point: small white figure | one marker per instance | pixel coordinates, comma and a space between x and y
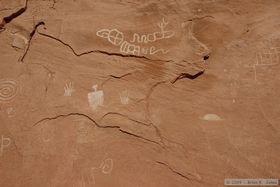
68, 89
107, 166
95, 98
5, 142
11, 112
124, 96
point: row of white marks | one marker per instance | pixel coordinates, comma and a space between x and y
116, 37
96, 97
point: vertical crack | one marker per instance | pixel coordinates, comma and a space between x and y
30, 38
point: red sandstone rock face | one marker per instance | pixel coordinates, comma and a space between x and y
138, 93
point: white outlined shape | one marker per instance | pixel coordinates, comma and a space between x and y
268, 58
114, 36
129, 48
95, 98
107, 166
3, 145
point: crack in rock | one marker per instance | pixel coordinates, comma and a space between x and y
98, 51
116, 77
95, 123
186, 75
200, 17
14, 15
30, 38
189, 178
125, 116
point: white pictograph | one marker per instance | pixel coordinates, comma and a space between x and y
5, 142
105, 167
68, 89
124, 97
116, 37
268, 57
11, 112
159, 35
153, 50
129, 48
8, 90
95, 98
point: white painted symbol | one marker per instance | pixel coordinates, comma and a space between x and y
154, 36
129, 48
11, 112
153, 50
212, 117
124, 96
107, 166
8, 90
5, 142
268, 57
95, 98
116, 37
68, 89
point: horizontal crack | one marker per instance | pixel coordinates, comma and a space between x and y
187, 75
73, 114
119, 77
200, 17
125, 116
98, 51
116, 77
95, 123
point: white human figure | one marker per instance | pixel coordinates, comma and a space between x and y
5, 142
95, 98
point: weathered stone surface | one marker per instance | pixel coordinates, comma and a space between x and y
138, 93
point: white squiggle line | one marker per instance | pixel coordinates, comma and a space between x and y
152, 37
153, 50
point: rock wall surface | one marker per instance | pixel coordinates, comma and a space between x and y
129, 93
